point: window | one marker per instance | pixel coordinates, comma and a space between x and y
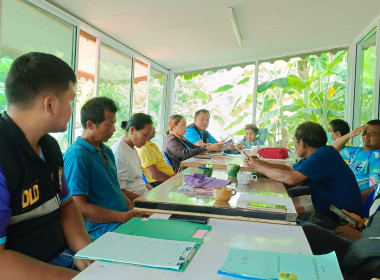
86, 76
140, 87
301, 89
114, 78
157, 81
227, 94
26, 29
365, 81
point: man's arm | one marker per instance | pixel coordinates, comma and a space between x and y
74, 230
97, 214
269, 164
130, 195
157, 174
285, 175
14, 265
129, 202
200, 143
341, 141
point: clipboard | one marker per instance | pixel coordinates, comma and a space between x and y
165, 229
139, 250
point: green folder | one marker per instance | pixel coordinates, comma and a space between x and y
163, 229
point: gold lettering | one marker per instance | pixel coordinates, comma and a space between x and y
33, 194
25, 198
36, 192
30, 196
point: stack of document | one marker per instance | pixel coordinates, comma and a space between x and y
138, 250
264, 265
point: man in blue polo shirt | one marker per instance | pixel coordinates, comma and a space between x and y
363, 161
90, 170
322, 168
196, 132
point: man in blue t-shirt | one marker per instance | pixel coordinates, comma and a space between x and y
196, 132
363, 161
90, 170
322, 168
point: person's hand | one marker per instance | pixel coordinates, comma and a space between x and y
82, 264
359, 220
239, 146
126, 216
231, 146
253, 162
348, 231
357, 131
215, 147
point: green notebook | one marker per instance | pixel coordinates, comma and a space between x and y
163, 229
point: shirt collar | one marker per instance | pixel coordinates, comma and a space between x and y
89, 146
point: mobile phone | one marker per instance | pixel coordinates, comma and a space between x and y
339, 212
189, 218
227, 142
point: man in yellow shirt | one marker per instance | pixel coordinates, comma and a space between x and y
153, 164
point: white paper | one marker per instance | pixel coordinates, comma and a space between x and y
138, 250
161, 216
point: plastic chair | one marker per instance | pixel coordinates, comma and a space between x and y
144, 178
167, 159
373, 195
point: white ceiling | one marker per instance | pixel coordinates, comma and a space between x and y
187, 34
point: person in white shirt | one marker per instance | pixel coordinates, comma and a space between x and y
138, 130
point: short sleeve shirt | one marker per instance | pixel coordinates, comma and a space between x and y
149, 155
129, 172
193, 136
365, 165
331, 182
87, 174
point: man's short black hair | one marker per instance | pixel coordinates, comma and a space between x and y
93, 110
202, 111
311, 134
374, 122
33, 74
340, 125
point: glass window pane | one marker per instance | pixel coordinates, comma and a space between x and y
227, 94
86, 76
26, 29
140, 87
298, 90
367, 49
157, 81
114, 78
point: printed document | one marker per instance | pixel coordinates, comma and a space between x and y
138, 250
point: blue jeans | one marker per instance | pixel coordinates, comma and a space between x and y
65, 259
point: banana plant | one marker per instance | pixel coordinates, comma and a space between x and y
311, 89
5, 65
